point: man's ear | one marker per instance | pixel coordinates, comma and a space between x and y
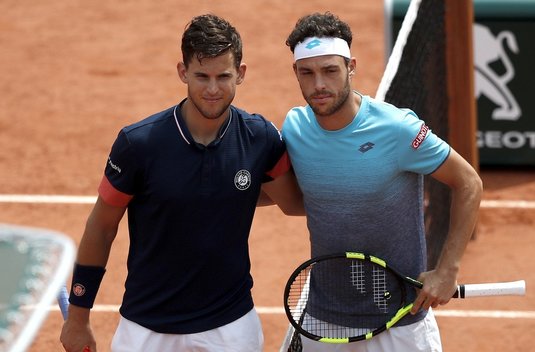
241, 73
182, 72
352, 66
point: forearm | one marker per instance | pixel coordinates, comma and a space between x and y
100, 232
93, 252
79, 315
90, 265
284, 191
440, 283
94, 248
463, 217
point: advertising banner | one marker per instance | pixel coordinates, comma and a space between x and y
504, 59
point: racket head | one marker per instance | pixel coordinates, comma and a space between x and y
344, 297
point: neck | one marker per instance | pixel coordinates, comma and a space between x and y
202, 129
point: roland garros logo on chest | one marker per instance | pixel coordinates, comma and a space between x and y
242, 180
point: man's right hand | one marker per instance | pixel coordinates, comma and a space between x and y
76, 334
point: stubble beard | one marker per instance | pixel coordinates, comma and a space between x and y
212, 114
340, 100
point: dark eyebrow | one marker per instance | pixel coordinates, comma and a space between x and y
225, 74
202, 74
323, 68
303, 69
329, 67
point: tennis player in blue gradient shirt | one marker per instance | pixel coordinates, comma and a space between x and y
360, 165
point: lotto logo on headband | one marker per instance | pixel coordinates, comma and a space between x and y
312, 44
312, 47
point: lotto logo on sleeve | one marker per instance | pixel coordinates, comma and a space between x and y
416, 142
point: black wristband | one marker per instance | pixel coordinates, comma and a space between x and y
85, 283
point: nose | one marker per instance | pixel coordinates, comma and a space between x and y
212, 86
319, 82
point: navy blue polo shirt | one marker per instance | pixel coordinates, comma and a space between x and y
190, 209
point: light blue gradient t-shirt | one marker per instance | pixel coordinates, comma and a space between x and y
363, 184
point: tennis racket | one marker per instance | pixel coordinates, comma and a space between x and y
349, 297
63, 302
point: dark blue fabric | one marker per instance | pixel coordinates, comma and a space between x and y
189, 222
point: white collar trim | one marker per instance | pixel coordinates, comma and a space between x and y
184, 136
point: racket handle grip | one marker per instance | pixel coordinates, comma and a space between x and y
63, 302
514, 288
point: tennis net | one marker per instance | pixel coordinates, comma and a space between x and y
416, 77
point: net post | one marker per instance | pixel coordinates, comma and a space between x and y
462, 108
431, 71
460, 77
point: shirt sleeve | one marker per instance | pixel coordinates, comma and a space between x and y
111, 195
121, 174
278, 161
420, 150
282, 166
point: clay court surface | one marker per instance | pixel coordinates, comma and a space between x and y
75, 72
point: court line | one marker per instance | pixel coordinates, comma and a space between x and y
64, 199
46, 199
490, 314
496, 314
522, 204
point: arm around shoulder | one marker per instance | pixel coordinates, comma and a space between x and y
285, 192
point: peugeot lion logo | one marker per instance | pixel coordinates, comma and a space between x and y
489, 49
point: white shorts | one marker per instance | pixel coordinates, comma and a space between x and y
242, 335
422, 336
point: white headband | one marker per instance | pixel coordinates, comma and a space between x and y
313, 46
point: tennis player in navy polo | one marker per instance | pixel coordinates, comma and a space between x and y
190, 177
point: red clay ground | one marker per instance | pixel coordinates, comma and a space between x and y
73, 73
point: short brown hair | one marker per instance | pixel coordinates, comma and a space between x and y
208, 36
319, 25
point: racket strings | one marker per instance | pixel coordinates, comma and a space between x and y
358, 280
298, 296
330, 330
380, 292
341, 298
357, 276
